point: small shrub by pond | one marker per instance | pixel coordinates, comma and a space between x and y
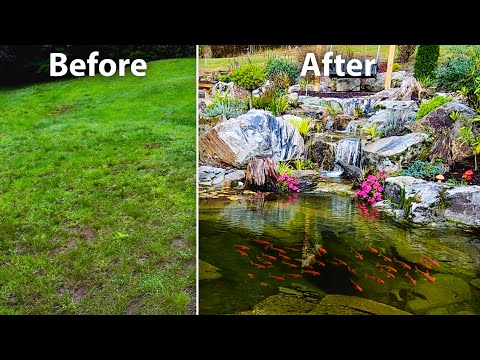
283, 72
432, 104
226, 106
422, 170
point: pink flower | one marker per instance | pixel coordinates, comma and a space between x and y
290, 186
367, 188
379, 197
371, 201
380, 189
364, 183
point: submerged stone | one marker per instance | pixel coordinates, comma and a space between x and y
207, 271
355, 303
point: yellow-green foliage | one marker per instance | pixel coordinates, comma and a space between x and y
284, 168
302, 125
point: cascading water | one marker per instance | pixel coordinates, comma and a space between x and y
352, 127
348, 150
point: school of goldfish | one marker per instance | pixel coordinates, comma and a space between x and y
273, 258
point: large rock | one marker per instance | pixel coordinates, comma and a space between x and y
308, 179
378, 84
446, 132
344, 106
322, 150
348, 84
392, 153
343, 304
445, 291
433, 204
208, 175
463, 205
207, 271
256, 133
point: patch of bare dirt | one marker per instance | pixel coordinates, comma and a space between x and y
62, 109
89, 235
192, 305
179, 243
133, 307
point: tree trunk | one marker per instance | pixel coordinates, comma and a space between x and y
262, 174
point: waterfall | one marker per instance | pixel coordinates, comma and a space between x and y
348, 151
352, 126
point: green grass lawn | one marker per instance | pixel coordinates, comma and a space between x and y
97, 194
260, 58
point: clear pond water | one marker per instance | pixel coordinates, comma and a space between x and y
336, 224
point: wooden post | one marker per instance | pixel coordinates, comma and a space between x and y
388, 77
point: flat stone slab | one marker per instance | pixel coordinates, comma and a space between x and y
358, 304
207, 271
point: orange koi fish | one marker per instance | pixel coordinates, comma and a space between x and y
250, 275
375, 251
412, 280
384, 257
321, 263
357, 254
269, 257
321, 251
426, 266
242, 253
284, 257
426, 274
309, 267
292, 249
294, 275
333, 262
258, 265
356, 286
267, 263
375, 279
311, 272
433, 262
387, 267
276, 277
265, 242
289, 264
243, 247
406, 266
388, 274
352, 271
279, 250
340, 261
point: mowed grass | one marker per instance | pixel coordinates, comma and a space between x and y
97, 194
261, 57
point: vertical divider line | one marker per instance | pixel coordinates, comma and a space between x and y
197, 250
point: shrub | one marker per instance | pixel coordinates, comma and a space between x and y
287, 183
396, 67
227, 106
371, 188
226, 78
302, 126
249, 77
283, 72
279, 105
430, 105
284, 168
422, 170
405, 52
426, 61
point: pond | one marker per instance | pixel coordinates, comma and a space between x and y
356, 252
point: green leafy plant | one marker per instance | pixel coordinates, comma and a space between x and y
422, 170
298, 164
283, 72
396, 67
249, 77
331, 110
426, 61
456, 182
284, 168
468, 134
358, 112
224, 78
370, 130
279, 105
455, 115
226, 106
426, 81
310, 165
302, 125
432, 104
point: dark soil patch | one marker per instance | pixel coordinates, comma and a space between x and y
179, 243
335, 94
133, 307
89, 235
62, 109
458, 169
